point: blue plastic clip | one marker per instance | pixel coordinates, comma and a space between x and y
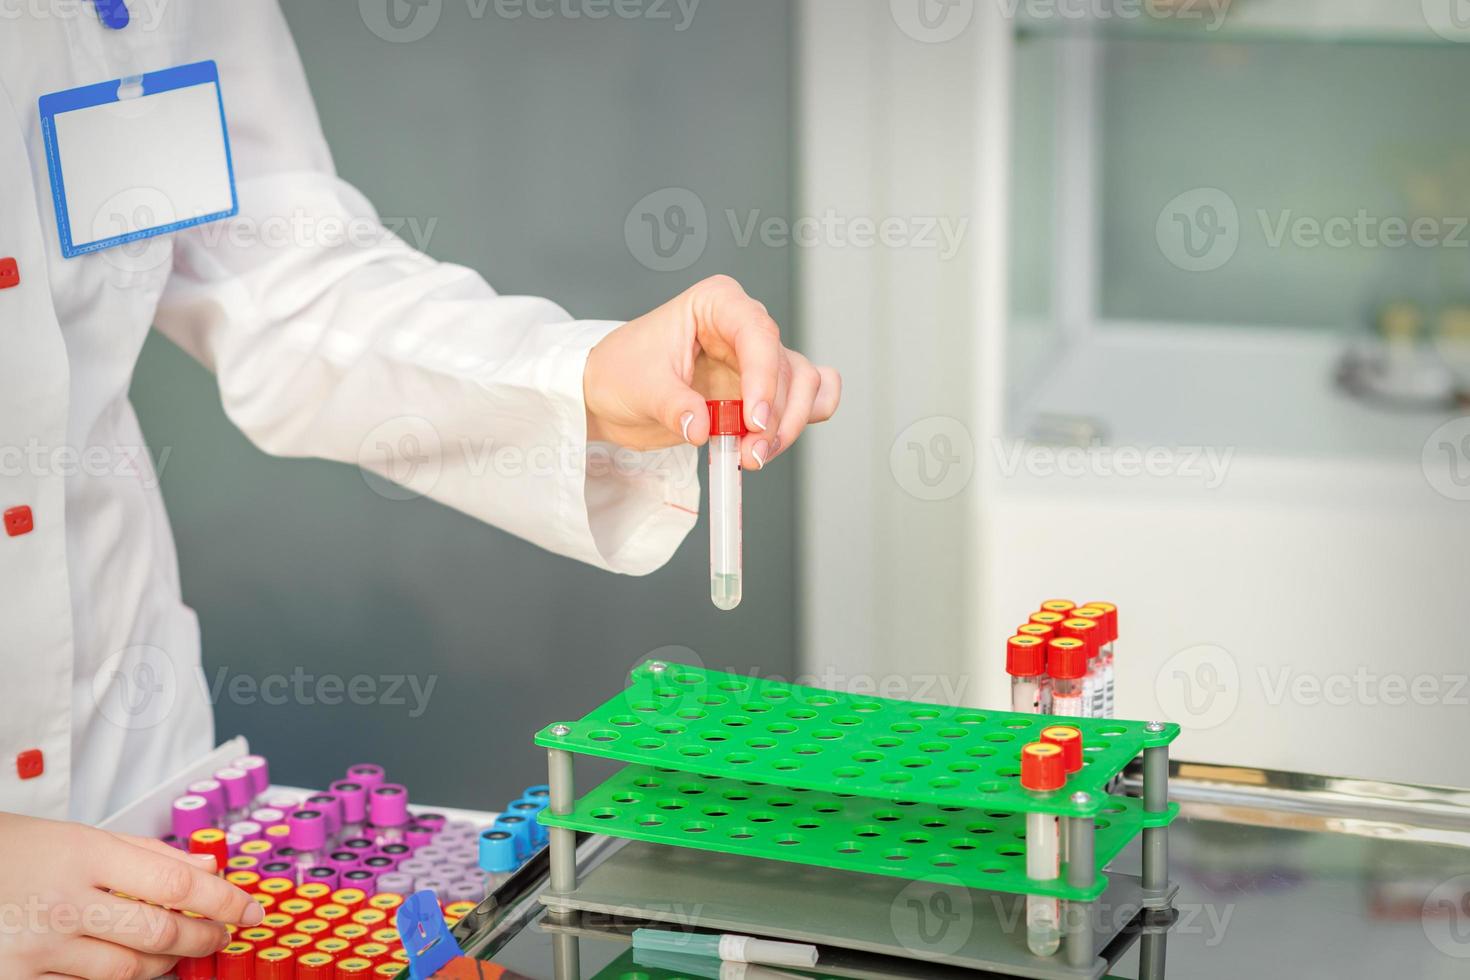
425, 935
113, 13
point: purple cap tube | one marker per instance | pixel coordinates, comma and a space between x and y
211, 790
354, 800
285, 802
257, 770
362, 878
321, 873
190, 813
268, 815
368, 774
237, 788
330, 806
308, 830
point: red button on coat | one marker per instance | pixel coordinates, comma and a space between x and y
18, 521
30, 764
9, 273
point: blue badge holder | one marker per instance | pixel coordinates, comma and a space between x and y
223, 201
425, 935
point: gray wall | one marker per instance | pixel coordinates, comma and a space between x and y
529, 141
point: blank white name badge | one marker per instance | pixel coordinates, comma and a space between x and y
138, 157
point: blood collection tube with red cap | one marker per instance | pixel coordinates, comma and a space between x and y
1026, 663
1066, 663
1043, 770
1108, 622
1087, 631
726, 426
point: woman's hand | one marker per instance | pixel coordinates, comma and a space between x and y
646, 383
58, 918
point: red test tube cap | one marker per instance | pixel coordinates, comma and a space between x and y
1069, 740
235, 962
1085, 630
211, 841
1042, 767
727, 418
1066, 658
1025, 656
275, 963
1062, 606
1109, 621
1052, 619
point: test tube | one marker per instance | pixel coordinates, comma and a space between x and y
387, 813
367, 774
726, 427
1087, 631
497, 858
1026, 663
1109, 624
1066, 663
308, 839
354, 806
238, 796
258, 771
190, 813
1042, 771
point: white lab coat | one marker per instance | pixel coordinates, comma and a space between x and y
321, 349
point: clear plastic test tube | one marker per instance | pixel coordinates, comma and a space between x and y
1066, 662
1042, 771
1026, 663
726, 427
1093, 690
1109, 625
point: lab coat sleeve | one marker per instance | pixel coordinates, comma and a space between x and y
333, 338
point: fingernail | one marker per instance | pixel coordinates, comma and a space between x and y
761, 417
759, 452
254, 914
684, 421
205, 859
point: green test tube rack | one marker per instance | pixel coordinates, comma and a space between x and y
762, 768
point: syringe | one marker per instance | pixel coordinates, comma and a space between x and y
726, 427
1042, 771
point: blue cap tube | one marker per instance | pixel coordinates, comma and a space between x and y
519, 828
531, 809
498, 851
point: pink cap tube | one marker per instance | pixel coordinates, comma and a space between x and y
212, 791
344, 860
417, 835
322, 873
247, 830
257, 769
396, 852
308, 830
330, 806
388, 806
434, 821
354, 799
368, 774
190, 813
237, 787
358, 878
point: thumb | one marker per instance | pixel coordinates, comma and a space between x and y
683, 412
